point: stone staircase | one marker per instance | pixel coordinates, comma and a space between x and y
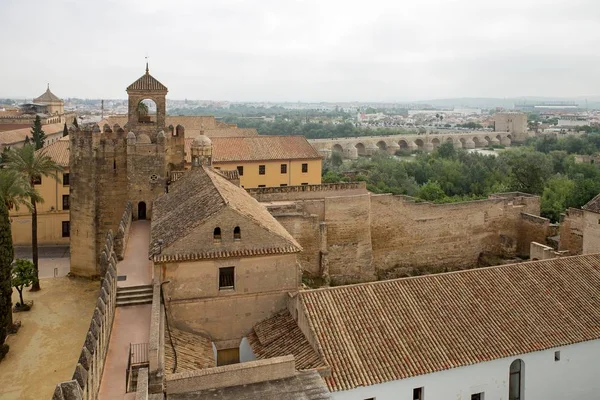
134, 295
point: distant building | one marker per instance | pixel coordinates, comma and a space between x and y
15, 125
572, 121
513, 122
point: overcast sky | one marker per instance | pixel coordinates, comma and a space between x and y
304, 50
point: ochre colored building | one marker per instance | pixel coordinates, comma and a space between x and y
266, 161
53, 213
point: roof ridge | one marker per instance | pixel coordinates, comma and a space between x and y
207, 171
462, 271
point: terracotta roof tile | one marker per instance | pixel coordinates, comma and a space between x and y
147, 82
194, 352
11, 137
58, 151
383, 331
593, 205
194, 125
280, 336
259, 148
47, 97
200, 194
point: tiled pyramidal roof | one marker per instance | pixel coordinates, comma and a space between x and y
47, 97
200, 194
384, 331
147, 82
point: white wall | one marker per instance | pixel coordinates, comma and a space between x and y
246, 353
575, 376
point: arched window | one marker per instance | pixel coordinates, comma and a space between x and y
237, 233
217, 233
515, 381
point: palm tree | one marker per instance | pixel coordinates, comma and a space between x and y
32, 165
14, 191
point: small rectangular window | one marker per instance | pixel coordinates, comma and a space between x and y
66, 179
262, 186
226, 278
284, 168
557, 356
261, 169
240, 169
304, 168
65, 202
283, 184
37, 180
418, 394
66, 229
477, 396
304, 184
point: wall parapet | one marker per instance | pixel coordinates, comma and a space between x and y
308, 188
232, 375
122, 235
88, 371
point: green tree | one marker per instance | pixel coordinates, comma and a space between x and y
446, 150
75, 122
24, 274
6, 257
431, 191
65, 130
37, 133
336, 159
528, 170
33, 165
556, 197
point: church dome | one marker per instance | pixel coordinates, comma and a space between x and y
143, 139
131, 135
47, 97
202, 141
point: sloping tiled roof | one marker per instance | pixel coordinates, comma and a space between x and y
47, 97
194, 351
58, 151
280, 336
260, 148
194, 125
383, 331
147, 82
18, 135
201, 193
593, 205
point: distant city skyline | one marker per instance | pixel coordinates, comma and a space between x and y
305, 51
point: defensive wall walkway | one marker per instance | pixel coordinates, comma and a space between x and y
132, 323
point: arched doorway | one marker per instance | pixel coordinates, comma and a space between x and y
141, 210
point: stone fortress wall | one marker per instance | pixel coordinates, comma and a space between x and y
350, 235
88, 371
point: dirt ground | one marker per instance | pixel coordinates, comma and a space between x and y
45, 350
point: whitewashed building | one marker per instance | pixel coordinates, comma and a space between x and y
525, 331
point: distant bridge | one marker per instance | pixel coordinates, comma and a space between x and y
352, 147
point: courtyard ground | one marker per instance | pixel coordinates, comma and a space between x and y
53, 260
46, 348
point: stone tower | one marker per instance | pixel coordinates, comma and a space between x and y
113, 165
98, 192
201, 151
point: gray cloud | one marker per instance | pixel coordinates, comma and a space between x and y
307, 50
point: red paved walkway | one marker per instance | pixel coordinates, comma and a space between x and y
136, 265
132, 323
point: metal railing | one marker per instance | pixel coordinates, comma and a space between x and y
138, 358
